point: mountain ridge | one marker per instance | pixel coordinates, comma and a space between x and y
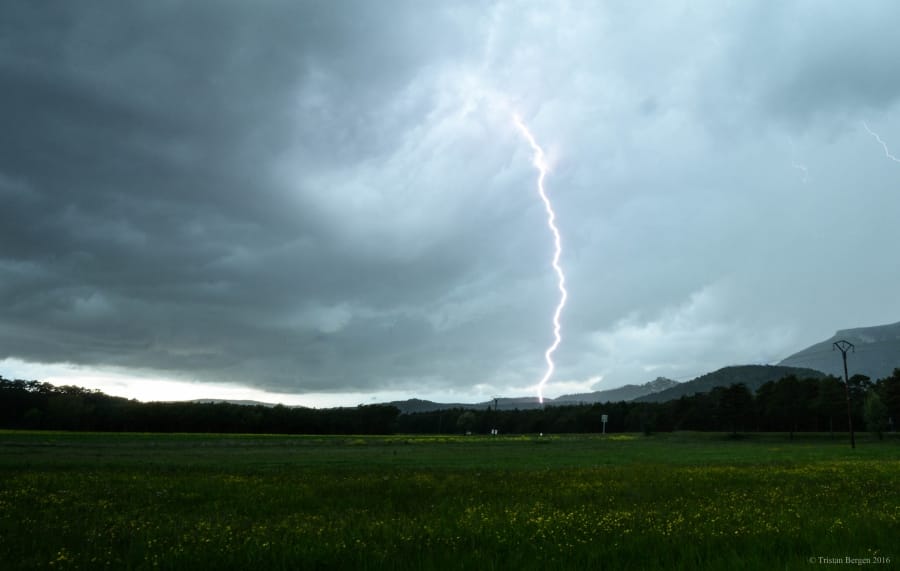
876, 354
623, 393
753, 376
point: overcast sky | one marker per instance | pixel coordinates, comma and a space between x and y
329, 202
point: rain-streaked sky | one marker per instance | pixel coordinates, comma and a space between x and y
329, 203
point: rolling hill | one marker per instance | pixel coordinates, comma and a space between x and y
623, 393
411, 406
754, 376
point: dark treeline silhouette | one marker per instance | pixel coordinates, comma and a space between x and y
789, 405
36, 405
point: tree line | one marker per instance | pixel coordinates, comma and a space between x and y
37, 405
790, 405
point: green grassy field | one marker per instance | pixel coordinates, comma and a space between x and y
670, 501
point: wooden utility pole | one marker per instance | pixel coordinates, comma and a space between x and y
843, 346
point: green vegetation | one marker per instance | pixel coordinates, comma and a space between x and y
626, 501
790, 404
37, 405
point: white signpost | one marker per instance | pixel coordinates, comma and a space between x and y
603, 419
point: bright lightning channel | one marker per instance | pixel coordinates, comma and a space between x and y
540, 163
887, 151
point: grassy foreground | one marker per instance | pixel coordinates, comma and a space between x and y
679, 501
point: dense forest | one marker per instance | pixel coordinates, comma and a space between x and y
790, 404
36, 405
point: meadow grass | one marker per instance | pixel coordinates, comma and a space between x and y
670, 501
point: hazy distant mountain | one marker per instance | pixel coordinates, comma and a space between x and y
227, 401
513, 403
754, 376
623, 393
241, 402
418, 405
877, 353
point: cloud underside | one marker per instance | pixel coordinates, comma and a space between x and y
333, 197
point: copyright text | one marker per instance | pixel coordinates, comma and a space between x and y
847, 560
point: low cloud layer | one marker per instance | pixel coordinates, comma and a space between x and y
332, 197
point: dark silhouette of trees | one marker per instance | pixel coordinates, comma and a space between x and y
34, 405
831, 401
875, 413
466, 421
734, 406
889, 391
789, 405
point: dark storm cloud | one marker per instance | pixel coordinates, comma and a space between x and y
329, 196
141, 226
825, 58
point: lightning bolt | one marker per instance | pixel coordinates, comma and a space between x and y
887, 151
540, 163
